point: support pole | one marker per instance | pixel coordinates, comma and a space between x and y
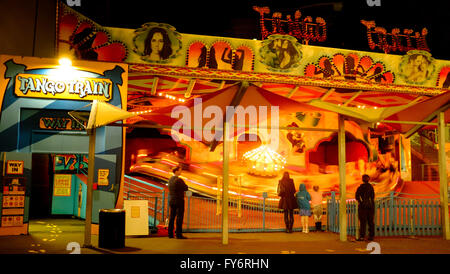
90, 183
226, 156
443, 177
342, 185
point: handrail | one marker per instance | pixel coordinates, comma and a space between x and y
143, 182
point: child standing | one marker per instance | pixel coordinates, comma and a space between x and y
316, 204
303, 199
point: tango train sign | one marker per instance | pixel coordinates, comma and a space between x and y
40, 86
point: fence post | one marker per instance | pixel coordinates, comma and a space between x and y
239, 205
333, 212
330, 213
357, 221
156, 211
128, 190
219, 196
391, 214
168, 208
264, 211
189, 195
163, 205
412, 225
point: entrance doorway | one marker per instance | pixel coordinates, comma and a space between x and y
67, 197
41, 186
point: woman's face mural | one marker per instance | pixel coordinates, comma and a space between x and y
157, 42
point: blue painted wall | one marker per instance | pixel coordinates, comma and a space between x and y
20, 132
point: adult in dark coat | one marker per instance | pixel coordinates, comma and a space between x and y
365, 196
286, 190
177, 187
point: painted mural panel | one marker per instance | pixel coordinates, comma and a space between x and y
80, 37
83, 39
280, 53
156, 43
36, 95
351, 67
417, 67
443, 80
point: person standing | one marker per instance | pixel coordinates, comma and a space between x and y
286, 190
303, 198
365, 196
316, 204
177, 187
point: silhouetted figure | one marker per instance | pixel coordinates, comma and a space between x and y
239, 59
212, 59
377, 76
82, 44
327, 71
349, 70
177, 187
286, 190
447, 81
202, 58
365, 196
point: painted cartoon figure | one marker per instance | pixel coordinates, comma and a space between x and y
297, 139
283, 53
82, 44
327, 70
447, 81
280, 52
417, 66
417, 69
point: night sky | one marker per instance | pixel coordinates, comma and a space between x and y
237, 19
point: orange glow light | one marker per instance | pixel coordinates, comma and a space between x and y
264, 161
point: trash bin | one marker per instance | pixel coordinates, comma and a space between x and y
111, 232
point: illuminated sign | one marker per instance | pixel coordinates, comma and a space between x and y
14, 167
103, 177
53, 123
83, 88
62, 185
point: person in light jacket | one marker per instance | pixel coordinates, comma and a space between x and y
316, 204
303, 199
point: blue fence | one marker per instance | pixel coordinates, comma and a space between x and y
136, 189
395, 215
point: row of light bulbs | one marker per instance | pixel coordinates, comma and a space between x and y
171, 97
160, 94
142, 112
361, 107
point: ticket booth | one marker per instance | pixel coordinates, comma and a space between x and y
44, 150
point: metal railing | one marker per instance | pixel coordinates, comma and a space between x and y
430, 172
136, 189
394, 215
